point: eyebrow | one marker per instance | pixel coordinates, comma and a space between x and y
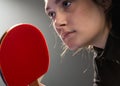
56, 2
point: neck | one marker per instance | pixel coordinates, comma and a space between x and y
101, 39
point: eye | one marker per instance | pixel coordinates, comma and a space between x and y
51, 14
66, 3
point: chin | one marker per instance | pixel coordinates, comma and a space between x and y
73, 48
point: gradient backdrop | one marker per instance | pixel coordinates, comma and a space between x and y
67, 71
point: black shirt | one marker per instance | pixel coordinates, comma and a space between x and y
107, 63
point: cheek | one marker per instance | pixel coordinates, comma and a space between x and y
89, 21
88, 27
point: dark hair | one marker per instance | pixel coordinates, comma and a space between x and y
112, 14
116, 17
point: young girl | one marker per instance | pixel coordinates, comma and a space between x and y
84, 23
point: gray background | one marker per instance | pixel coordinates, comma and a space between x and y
67, 71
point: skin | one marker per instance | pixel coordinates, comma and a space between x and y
37, 82
78, 23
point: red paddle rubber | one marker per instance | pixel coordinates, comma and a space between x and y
24, 55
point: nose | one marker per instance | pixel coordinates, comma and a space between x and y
60, 23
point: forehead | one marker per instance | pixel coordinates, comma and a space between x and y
51, 3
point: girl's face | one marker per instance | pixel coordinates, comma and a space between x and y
78, 22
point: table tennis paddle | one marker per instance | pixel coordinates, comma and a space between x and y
24, 55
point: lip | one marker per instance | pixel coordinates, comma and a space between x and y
67, 34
